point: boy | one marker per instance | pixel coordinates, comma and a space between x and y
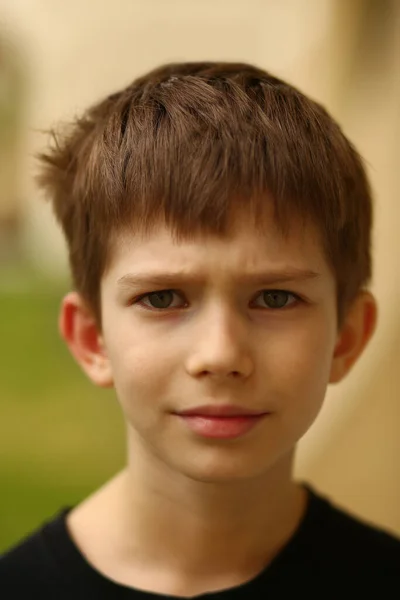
230, 194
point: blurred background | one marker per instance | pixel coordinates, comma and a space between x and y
60, 437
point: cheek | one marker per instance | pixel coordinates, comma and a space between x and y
299, 365
141, 368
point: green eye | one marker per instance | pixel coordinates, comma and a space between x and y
277, 298
160, 299
164, 300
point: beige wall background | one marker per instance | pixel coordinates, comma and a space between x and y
344, 53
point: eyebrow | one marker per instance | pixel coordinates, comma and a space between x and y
290, 274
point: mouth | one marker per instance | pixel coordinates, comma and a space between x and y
225, 427
223, 410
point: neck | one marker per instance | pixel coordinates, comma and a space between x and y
209, 527
160, 531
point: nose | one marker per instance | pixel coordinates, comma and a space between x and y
221, 346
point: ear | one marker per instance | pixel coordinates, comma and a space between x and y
79, 329
357, 330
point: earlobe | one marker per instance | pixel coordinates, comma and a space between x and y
354, 336
79, 329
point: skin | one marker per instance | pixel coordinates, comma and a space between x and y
189, 515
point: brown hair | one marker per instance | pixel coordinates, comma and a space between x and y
188, 142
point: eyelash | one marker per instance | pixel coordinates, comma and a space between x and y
138, 299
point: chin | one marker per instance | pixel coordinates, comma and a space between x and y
233, 469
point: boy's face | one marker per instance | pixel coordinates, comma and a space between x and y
216, 338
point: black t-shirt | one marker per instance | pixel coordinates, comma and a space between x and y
332, 554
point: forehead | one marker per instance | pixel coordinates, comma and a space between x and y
243, 247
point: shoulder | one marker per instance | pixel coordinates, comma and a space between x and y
354, 545
31, 566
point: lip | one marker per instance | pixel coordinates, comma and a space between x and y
223, 410
227, 427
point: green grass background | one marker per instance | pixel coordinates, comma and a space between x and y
60, 436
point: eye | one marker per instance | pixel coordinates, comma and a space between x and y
276, 299
157, 300
163, 299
